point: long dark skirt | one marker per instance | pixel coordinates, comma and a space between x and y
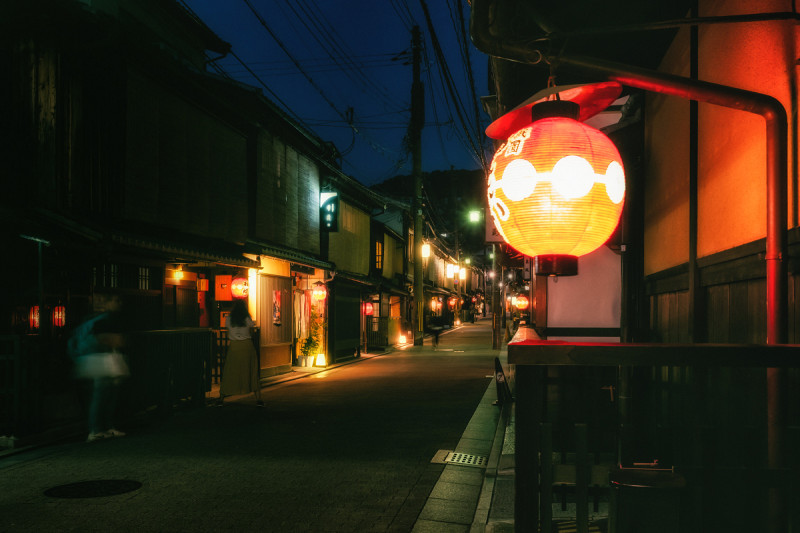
240, 374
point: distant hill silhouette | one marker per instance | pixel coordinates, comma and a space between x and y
446, 190
446, 195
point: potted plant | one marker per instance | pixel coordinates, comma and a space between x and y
310, 347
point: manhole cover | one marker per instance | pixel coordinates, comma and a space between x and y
93, 489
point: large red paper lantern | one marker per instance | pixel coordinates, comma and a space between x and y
367, 308
557, 186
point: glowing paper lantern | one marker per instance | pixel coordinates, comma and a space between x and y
452, 302
320, 292
33, 317
556, 187
368, 309
521, 302
59, 316
240, 287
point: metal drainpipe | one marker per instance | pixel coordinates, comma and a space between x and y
768, 107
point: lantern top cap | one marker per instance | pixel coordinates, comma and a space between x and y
555, 108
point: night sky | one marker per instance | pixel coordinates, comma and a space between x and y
354, 60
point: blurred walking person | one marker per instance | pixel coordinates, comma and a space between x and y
240, 375
96, 346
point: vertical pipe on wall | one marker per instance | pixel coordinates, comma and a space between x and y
695, 325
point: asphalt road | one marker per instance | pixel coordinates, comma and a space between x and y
345, 450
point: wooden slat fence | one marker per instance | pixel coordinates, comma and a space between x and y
690, 422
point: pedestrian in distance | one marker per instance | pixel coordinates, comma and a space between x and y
96, 348
436, 330
240, 375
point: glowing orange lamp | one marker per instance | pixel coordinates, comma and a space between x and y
59, 316
319, 292
521, 302
33, 317
240, 287
556, 188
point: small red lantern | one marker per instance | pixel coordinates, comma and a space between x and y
521, 302
33, 317
240, 287
452, 302
557, 186
368, 309
59, 316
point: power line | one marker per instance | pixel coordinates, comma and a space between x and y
310, 80
447, 77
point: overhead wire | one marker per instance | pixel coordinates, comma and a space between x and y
476, 108
404, 13
456, 102
380, 149
435, 108
329, 39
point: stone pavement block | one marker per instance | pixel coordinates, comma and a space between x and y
451, 511
466, 475
430, 526
475, 446
499, 527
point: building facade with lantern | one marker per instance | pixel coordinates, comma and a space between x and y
699, 269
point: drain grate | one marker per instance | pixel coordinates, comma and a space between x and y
457, 458
465, 459
93, 489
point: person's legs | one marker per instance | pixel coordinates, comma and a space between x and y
95, 407
101, 406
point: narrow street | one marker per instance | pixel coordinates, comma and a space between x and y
343, 450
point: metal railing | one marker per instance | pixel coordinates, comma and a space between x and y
167, 366
668, 437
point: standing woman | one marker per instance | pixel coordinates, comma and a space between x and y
240, 374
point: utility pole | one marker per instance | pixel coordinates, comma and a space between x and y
496, 334
415, 140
